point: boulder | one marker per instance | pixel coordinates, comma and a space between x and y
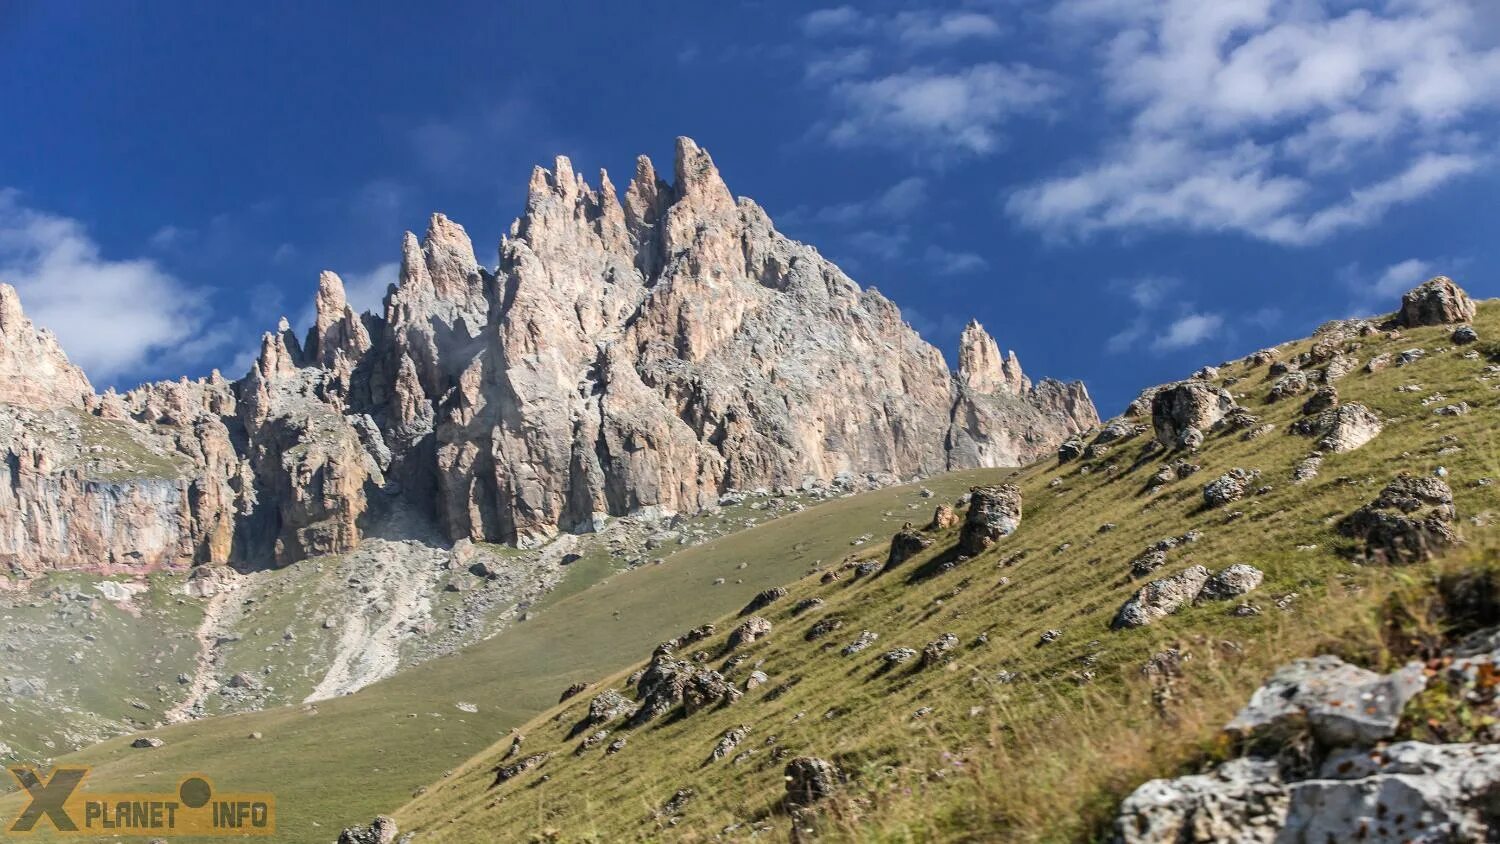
382, 830
904, 545
1347, 427
607, 706
1338, 703
943, 518
1437, 301
1323, 398
1230, 486
706, 688
898, 656
1188, 404
1243, 801
750, 630
864, 640
1409, 521
1231, 582
1291, 384
1071, 449
810, 780
728, 742
1161, 598
147, 742
1464, 335
506, 773
764, 599
936, 651
994, 512
573, 691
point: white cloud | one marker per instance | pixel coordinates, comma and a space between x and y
1401, 277
1188, 330
928, 28
950, 262
894, 203
114, 318
1150, 295
366, 291
837, 20
1287, 120
945, 113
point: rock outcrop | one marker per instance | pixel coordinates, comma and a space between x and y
994, 513
1437, 301
636, 352
1188, 406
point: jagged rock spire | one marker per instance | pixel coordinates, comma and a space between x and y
336, 328
983, 369
34, 371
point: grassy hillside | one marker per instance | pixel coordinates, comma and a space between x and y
1013, 739
343, 760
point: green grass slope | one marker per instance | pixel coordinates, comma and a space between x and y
1013, 739
343, 760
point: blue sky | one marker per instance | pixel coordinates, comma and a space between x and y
1121, 190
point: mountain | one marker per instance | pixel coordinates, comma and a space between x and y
1261, 606
642, 354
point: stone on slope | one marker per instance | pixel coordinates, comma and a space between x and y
1339, 703
1411, 520
1437, 301
1231, 582
764, 599
1243, 801
994, 513
904, 545
750, 630
1186, 405
810, 780
1161, 598
382, 830
1230, 486
1347, 427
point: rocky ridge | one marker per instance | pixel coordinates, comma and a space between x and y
639, 352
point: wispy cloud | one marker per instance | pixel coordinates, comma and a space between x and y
114, 317
1188, 330
891, 85
950, 262
1154, 324
1283, 120
896, 202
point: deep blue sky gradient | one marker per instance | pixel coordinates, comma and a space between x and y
244, 148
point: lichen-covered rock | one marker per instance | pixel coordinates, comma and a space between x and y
1071, 449
1243, 801
750, 630
1230, 486
864, 640
1411, 520
506, 773
1161, 598
1464, 335
1188, 405
898, 656
1231, 582
764, 599
1437, 301
810, 780
904, 545
936, 652
1291, 384
1347, 427
994, 513
728, 742
382, 830
607, 706
705, 688
1340, 704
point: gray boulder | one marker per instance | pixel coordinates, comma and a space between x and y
1437, 301
1230, 486
810, 780
1188, 405
1409, 521
1161, 598
994, 513
1339, 703
1231, 582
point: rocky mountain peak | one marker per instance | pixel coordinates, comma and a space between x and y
639, 355
983, 368
34, 371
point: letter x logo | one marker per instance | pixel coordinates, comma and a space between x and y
48, 799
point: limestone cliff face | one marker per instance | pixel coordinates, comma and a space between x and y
999, 417
629, 353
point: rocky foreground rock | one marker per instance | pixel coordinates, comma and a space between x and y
632, 352
1323, 768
